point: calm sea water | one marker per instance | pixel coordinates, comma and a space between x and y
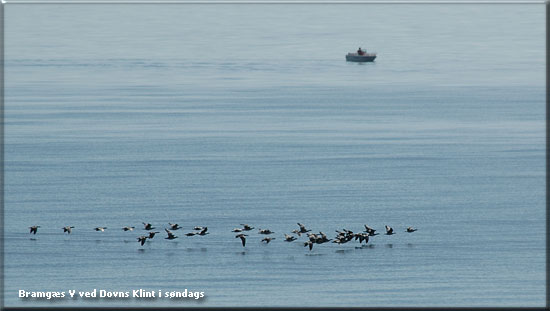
216, 115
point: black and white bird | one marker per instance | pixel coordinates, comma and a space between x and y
68, 229
242, 236
102, 229
303, 228
370, 230
247, 227
363, 236
237, 230
389, 230
142, 239
343, 236
322, 239
289, 238
148, 226
265, 231
128, 228
171, 236
411, 229
267, 239
203, 231
198, 228
308, 243
174, 226
190, 234
152, 234
34, 229
312, 237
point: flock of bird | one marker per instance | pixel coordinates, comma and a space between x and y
342, 237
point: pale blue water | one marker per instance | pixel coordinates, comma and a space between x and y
217, 115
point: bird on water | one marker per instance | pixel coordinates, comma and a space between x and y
152, 234
343, 236
142, 239
289, 238
174, 226
303, 228
362, 237
322, 239
265, 231
370, 230
242, 237
171, 236
148, 226
246, 227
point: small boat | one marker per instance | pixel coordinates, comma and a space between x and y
365, 57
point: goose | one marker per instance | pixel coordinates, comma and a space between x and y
174, 226
198, 228
237, 230
242, 237
246, 227
308, 243
267, 239
389, 230
289, 238
68, 229
265, 231
128, 228
370, 230
345, 233
152, 234
171, 236
34, 229
323, 238
102, 229
142, 239
312, 237
203, 231
297, 232
411, 229
148, 226
190, 234
343, 237
303, 228
362, 237
319, 239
